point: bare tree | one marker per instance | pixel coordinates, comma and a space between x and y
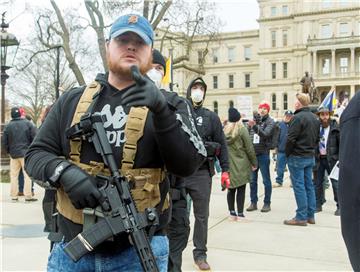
35, 76
65, 36
183, 22
186, 26
31, 90
97, 23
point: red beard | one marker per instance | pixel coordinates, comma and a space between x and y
121, 71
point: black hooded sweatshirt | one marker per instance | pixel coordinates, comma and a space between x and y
169, 141
209, 125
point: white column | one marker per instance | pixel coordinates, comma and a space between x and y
352, 90
352, 61
333, 60
314, 72
309, 63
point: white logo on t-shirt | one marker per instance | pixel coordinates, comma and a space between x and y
199, 121
115, 124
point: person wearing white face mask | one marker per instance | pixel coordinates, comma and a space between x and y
158, 70
198, 185
197, 94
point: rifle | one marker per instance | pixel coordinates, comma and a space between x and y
118, 210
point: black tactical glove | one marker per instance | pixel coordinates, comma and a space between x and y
79, 186
144, 93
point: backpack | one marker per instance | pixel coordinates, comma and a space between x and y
274, 140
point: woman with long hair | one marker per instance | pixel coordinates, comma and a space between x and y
242, 160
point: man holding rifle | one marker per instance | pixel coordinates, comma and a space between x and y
148, 130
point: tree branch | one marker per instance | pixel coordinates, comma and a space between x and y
146, 9
66, 45
161, 14
93, 7
34, 55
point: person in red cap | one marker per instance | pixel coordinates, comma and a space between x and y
261, 130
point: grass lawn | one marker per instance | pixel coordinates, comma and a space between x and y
5, 177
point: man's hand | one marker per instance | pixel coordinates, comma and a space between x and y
144, 93
225, 181
80, 187
251, 123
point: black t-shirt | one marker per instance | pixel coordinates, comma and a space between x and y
109, 105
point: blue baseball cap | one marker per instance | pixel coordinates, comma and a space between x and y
133, 23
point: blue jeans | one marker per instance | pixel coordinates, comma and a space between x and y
21, 182
264, 166
281, 164
301, 177
126, 260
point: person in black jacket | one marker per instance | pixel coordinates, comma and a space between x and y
198, 185
18, 135
261, 129
326, 155
349, 181
303, 138
167, 138
280, 150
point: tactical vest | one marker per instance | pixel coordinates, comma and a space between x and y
146, 190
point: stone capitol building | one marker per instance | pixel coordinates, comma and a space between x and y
243, 68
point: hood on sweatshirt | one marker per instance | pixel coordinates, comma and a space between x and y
188, 91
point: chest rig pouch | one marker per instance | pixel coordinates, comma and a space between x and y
144, 181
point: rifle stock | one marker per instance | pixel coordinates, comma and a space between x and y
120, 213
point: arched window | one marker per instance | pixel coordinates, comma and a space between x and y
231, 104
285, 100
216, 107
273, 101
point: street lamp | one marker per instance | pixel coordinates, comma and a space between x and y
9, 45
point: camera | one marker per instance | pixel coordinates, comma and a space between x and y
257, 117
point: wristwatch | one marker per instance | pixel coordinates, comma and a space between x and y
59, 169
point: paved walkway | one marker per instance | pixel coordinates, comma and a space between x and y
262, 244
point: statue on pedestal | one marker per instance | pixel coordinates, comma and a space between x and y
308, 87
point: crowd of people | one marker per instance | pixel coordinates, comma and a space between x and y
150, 131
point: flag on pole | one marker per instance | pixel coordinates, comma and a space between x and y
330, 100
168, 75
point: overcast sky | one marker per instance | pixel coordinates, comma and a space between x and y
239, 15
